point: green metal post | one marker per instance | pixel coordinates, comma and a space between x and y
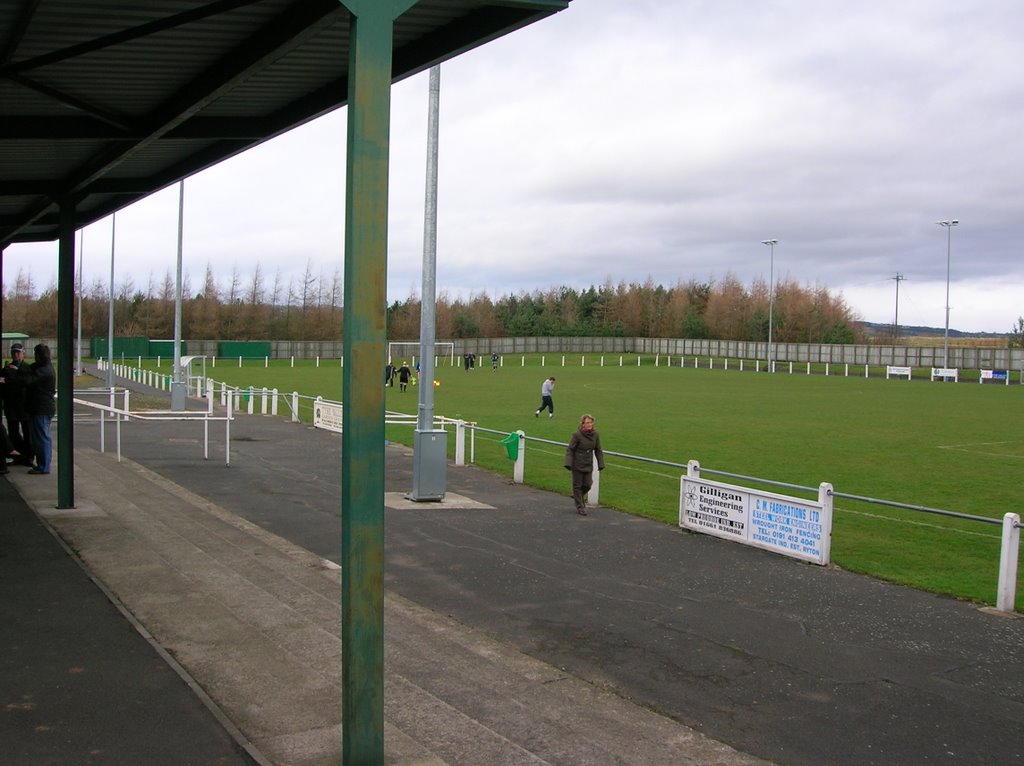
362, 462
65, 356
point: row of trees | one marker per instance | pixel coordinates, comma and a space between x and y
725, 310
309, 308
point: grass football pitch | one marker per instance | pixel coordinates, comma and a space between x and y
956, 447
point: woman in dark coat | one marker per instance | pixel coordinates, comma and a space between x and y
584, 446
42, 390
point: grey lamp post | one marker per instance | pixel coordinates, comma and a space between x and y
771, 298
949, 241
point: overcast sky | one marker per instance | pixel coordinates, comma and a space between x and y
622, 140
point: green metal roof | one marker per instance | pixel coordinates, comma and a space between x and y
107, 101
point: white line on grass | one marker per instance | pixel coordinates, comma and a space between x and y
919, 524
971, 448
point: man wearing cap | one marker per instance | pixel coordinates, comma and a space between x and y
14, 376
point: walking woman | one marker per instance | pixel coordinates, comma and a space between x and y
584, 447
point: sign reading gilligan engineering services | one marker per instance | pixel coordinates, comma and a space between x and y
787, 525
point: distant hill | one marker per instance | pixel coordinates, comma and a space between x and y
878, 330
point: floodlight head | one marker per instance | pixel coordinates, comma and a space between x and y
769, 241
951, 222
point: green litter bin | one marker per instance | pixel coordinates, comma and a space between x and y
511, 444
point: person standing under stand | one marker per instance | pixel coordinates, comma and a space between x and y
389, 375
42, 390
404, 373
547, 388
584, 447
13, 392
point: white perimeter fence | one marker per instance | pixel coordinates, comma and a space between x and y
327, 414
921, 357
1004, 376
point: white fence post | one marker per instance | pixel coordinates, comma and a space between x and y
460, 442
825, 498
295, 406
273, 402
227, 432
1008, 556
594, 495
519, 469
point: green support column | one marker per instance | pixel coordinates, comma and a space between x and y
362, 462
66, 356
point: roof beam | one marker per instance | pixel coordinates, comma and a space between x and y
125, 35
28, 12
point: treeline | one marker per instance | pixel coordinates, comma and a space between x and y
725, 310
305, 308
310, 309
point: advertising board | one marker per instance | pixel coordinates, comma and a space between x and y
327, 415
788, 525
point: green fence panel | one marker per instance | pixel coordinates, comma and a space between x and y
165, 348
128, 346
247, 349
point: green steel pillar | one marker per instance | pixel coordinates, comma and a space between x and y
65, 356
362, 456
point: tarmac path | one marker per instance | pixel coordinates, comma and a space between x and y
790, 662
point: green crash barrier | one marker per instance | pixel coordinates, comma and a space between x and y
511, 444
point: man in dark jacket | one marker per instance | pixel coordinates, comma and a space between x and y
13, 390
42, 390
584, 447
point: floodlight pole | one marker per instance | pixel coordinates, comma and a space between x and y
896, 319
78, 355
949, 224
771, 298
430, 446
177, 384
110, 309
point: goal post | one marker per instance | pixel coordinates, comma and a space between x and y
442, 348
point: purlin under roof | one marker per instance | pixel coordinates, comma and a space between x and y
107, 101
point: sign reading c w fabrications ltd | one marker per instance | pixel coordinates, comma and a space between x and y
791, 526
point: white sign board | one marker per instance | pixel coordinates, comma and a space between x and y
946, 372
1003, 375
793, 527
327, 415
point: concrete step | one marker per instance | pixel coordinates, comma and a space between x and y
255, 621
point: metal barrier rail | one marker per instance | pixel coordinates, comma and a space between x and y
1011, 524
1009, 554
124, 413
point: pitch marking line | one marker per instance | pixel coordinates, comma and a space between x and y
972, 448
